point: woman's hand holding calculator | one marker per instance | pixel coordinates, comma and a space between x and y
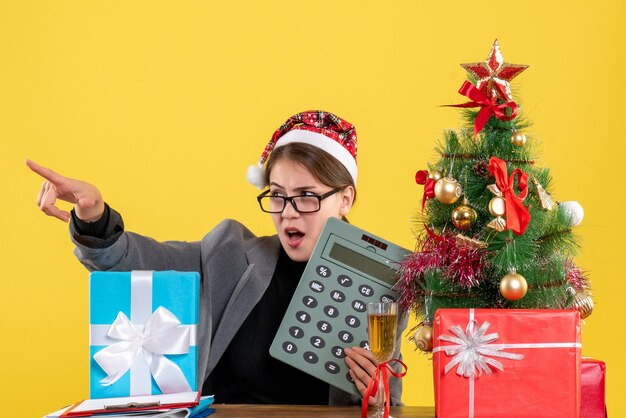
362, 367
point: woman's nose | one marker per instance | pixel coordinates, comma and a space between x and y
290, 210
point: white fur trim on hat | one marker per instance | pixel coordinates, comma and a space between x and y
323, 142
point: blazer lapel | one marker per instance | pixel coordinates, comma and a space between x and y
251, 286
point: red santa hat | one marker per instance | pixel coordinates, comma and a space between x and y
318, 128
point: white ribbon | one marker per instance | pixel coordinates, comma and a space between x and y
161, 335
473, 350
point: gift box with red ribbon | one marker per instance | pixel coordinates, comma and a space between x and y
592, 378
506, 363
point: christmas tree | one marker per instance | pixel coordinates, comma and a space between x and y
492, 236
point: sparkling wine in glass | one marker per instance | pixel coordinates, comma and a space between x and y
382, 322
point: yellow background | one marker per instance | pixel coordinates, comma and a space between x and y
164, 104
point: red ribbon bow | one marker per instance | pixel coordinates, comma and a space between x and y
488, 107
382, 371
517, 215
421, 177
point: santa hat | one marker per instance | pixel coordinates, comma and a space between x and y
318, 128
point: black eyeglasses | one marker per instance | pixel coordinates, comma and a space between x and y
306, 203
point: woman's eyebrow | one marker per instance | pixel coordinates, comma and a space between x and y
297, 189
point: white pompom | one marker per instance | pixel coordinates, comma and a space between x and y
255, 176
573, 210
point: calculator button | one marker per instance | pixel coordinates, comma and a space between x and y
310, 357
344, 280
365, 345
352, 321
290, 347
366, 290
316, 286
337, 296
331, 311
324, 326
346, 337
309, 301
332, 367
338, 352
303, 317
318, 342
322, 271
296, 332
387, 298
349, 377
358, 306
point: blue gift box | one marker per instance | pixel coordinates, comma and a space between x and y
143, 332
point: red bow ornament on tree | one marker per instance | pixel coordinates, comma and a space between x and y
517, 215
488, 106
421, 177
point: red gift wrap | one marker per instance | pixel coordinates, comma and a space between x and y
506, 363
592, 378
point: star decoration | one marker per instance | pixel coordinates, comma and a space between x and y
494, 74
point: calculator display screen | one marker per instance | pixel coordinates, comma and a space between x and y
362, 263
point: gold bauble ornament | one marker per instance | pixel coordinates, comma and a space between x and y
518, 139
583, 303
448, 190
464, 217
497, 206
435, 175
513, 286
424, 338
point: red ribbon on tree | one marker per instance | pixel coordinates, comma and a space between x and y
421, 177
382, 372
488, 107
517, 215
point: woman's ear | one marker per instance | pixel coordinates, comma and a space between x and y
347, 199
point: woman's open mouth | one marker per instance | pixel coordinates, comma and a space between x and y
294, 237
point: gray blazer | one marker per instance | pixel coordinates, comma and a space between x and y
235, 267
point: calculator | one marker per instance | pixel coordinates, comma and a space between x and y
349, 267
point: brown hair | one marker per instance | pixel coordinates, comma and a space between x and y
324, 167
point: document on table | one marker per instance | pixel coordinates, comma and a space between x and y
137, 405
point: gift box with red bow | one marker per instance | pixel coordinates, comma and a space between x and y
506, 363
142, 332
592, 385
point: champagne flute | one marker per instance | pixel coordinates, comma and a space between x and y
382, 321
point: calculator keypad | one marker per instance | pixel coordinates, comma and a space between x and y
339, 320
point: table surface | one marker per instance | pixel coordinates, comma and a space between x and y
306, 411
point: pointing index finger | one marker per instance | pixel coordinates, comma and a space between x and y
44, 172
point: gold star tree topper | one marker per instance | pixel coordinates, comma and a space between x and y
494, 74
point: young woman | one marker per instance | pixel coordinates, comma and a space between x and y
247, 281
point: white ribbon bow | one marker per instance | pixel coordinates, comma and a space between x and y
473, 350
161, 335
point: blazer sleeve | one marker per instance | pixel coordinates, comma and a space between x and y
123, 251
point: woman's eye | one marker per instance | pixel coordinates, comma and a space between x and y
276, 194
308, 194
